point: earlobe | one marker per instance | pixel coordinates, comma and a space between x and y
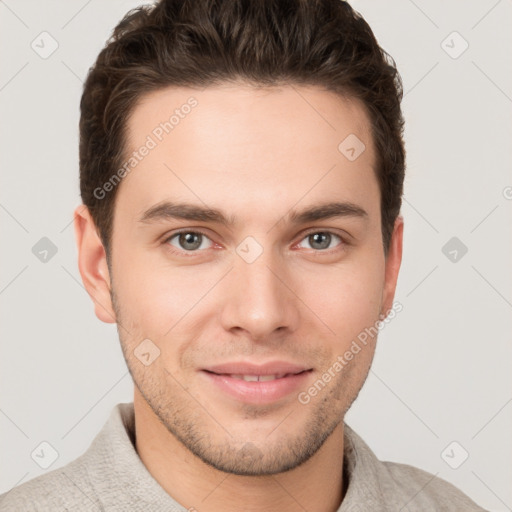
393, 262
92, 264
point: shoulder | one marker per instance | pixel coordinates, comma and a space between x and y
422, 490
386, 485
66, 488
85, 481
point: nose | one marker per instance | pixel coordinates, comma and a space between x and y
259, 298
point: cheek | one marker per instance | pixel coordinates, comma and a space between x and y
343, 298
346, 299
155, 296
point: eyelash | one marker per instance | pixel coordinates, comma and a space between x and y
191, 254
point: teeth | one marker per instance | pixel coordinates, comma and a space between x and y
268, 377
258, 378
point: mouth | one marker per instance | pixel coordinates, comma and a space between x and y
261, 386
258, 378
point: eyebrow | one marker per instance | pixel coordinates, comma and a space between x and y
167, 210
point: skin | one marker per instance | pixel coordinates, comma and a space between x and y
255, 154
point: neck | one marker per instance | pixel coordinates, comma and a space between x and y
315, 485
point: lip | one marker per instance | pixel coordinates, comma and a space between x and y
243, 368
257, 392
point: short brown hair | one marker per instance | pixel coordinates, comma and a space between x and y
199, 43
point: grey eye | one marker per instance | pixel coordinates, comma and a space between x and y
321, 240
188, 240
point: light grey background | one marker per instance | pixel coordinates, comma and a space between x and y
442, 368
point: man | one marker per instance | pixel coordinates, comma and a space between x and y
241, 168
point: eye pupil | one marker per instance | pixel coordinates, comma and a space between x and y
186, 240
316, 238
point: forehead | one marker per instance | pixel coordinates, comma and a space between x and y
307, 112
238, 147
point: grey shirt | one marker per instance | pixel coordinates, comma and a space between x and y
110, 476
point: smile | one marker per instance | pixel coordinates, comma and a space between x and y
257, 389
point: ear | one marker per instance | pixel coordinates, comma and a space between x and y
393, 261
92, 263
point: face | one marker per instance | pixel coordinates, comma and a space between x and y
230, 317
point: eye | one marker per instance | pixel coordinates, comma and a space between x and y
188, 241
321, 240
193, 242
